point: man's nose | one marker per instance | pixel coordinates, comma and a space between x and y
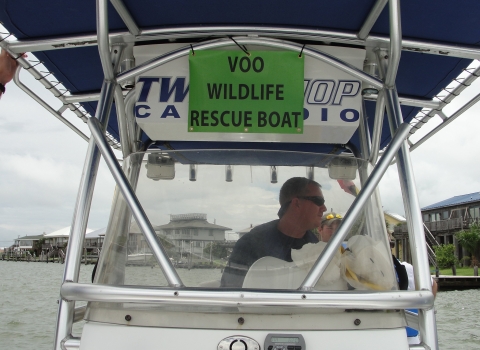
323, 208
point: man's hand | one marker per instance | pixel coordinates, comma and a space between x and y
7, 67
349, 187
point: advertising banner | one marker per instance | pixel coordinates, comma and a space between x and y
331, 101
258, 92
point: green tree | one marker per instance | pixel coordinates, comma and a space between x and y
37, 246
219, 251
470, 239
445, 254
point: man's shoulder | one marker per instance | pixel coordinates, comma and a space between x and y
266, 227
258, 232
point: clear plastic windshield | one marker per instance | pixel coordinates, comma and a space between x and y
219, 218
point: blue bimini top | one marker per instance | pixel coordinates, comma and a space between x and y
422, 72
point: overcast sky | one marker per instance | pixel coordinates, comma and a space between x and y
41, 163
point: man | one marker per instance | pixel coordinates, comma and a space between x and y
8, 67
328, 226
301, 210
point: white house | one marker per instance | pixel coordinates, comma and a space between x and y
191, 232
60, 237
26, 242
241, 233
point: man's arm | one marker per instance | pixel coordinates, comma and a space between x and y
434, 288
7, 67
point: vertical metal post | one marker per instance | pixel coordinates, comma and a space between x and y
80, 219
395, 43
377, 127
364, 138
102, 38
122, 122
130, 100
72, 263
364, 134
427, 323
412, 208
116, 54
365, 147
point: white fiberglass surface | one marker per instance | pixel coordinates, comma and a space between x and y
216, 213
100, 336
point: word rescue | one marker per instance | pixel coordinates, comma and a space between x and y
258, 93
244, 119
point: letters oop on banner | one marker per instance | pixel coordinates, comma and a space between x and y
263, 105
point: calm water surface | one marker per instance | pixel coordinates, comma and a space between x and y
29, 293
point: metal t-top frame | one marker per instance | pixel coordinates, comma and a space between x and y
71, 290
358, 39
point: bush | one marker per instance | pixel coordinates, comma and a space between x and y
445, 254
470, 239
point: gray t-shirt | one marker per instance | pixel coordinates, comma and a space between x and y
263, 240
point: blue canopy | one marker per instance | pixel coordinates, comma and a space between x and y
420, 75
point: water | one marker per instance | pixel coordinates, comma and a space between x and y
458, 322
29, 293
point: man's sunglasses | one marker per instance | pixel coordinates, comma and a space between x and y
317, 200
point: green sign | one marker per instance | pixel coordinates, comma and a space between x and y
231, 91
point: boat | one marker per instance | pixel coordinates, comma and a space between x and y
139, 257
216, 105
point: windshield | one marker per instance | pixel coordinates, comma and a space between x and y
247, 219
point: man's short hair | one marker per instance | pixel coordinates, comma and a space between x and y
294, 187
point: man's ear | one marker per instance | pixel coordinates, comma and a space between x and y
296, 202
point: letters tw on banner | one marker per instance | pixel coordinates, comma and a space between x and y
232, 92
